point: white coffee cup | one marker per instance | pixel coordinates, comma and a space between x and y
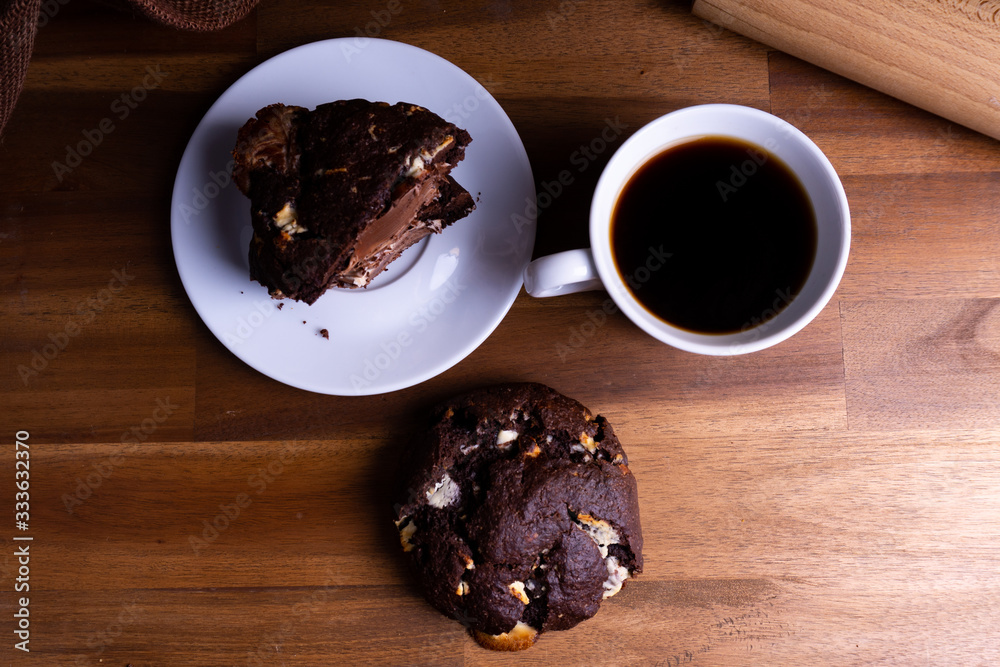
594, 267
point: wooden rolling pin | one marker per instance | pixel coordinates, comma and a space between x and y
940, 55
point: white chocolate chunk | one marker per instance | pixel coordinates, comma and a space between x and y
522, 630
517, 590
506, 436
428, 156
444, 493
463, 588
405, 533
287, 220
588, 443
416, 168
602, 532
617, 574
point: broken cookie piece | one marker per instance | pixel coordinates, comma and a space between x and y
520, 637
518, 513
339, 192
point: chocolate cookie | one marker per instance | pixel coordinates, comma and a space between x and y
339, 192
519, 513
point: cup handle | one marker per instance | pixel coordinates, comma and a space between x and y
562, 273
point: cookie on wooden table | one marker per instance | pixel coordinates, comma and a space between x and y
519, 514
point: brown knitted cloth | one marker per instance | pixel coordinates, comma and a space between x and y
196, 14
19, 23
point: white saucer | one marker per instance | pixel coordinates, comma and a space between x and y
433, 306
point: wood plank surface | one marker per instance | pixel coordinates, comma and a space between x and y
940, 56
834, 500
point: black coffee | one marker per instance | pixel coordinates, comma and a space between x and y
714, 235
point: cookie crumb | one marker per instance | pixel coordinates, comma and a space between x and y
280, 306
324, 333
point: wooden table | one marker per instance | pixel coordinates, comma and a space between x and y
833, 500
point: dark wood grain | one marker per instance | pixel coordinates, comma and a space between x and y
829, 501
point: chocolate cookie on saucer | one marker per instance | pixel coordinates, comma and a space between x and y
339, 192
